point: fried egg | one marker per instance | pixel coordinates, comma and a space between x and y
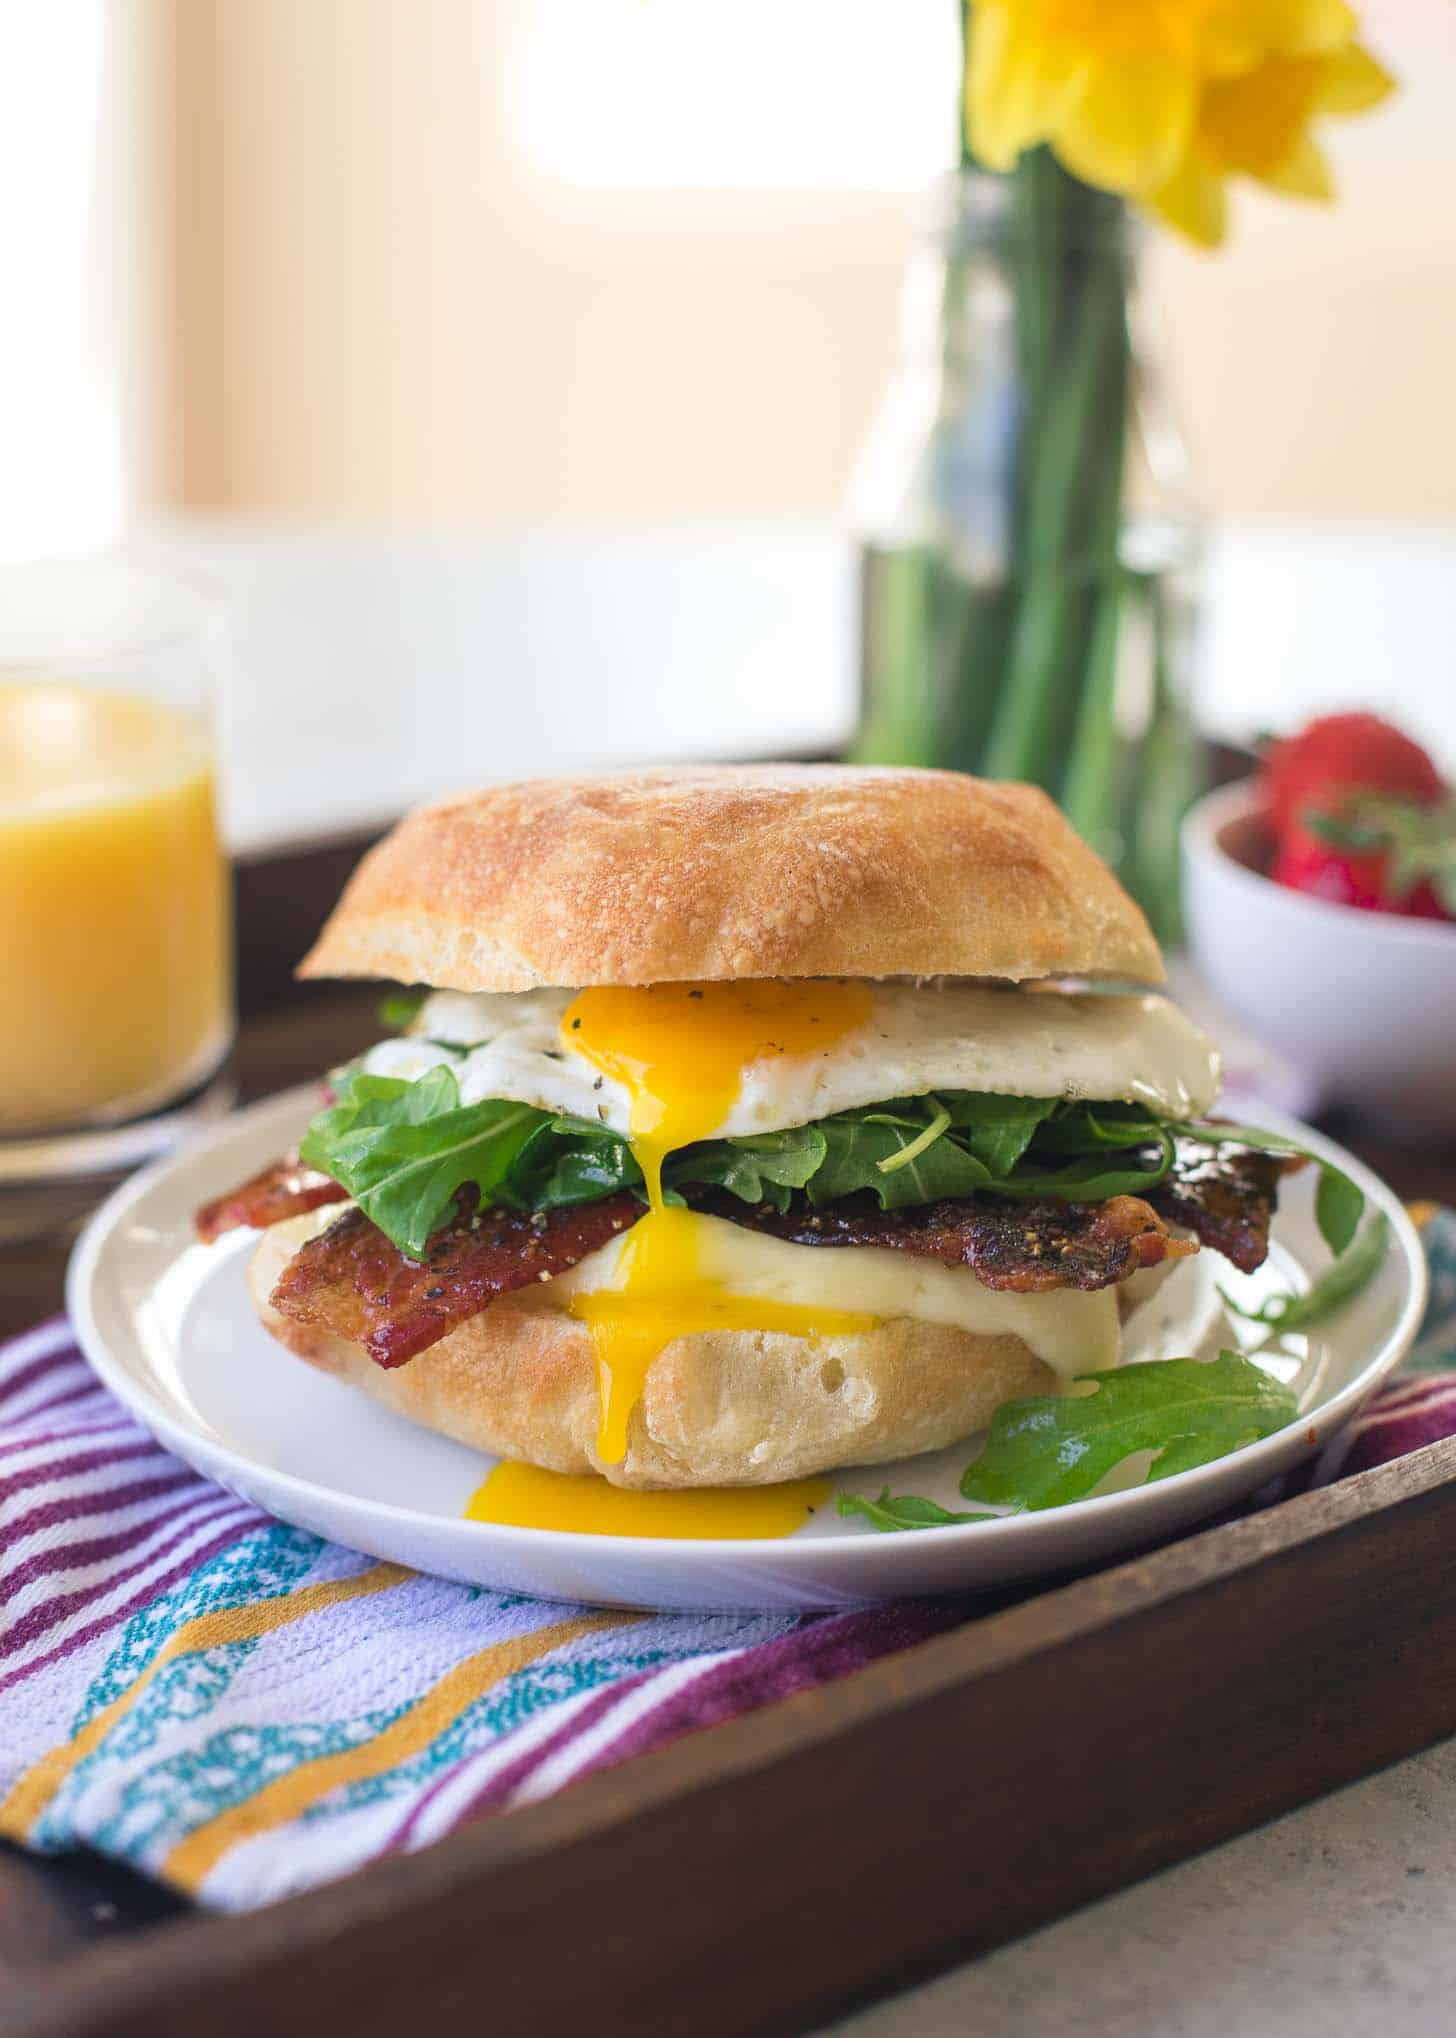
897, 1040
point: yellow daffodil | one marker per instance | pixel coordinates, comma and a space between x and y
1164, 100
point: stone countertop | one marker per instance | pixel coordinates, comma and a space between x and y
1334, 1918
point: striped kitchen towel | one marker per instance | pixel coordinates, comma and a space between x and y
243, 1710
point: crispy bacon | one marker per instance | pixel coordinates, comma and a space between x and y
284, 1189
352, 1281
1025, 1247
1224, 1195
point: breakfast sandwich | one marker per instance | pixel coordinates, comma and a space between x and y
754, 1123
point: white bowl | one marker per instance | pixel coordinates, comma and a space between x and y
1363, 1003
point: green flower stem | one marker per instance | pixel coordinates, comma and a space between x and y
1091, 797
1169, 780
901, 654
976, 655
1073, 470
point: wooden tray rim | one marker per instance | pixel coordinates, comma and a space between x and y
132, 1982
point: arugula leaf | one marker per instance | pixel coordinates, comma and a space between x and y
1339, 1203
1086, 1128
907, 1511
937, 1124
857, 1142
997, 1130
405, 1150
1093, 1180
1052, 1449
570, 1160
1338, 1208
399, 1011
759, 1167
362, 1100
1356, 1266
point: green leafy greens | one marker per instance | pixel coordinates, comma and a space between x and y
400, 1010
1355, 1267
1054, 1448
404, 1150
908, 1511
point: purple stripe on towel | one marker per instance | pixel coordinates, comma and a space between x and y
152, 1589
37, 1369
66, 1466
203, 1504
75, 1506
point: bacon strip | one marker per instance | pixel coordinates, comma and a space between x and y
352, 1281
1027, 1248
1225, 1195
284, 1189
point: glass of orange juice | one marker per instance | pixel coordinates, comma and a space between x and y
115, 932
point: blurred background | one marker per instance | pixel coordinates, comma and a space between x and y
508, 360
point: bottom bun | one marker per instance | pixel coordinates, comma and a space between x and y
719, 1408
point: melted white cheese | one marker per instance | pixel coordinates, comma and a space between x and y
1072, 1330
919, 1038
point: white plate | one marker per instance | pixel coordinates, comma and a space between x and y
168, 1326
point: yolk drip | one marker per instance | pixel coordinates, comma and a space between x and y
681, 1051
523, 1496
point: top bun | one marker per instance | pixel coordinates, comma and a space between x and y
775, 870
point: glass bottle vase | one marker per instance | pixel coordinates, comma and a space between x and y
1029, 539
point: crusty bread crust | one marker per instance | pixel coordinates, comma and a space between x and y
675, 874
724, 1408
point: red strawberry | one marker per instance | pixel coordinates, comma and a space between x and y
1369, 850
1345, 877
1343, 750
1424, 903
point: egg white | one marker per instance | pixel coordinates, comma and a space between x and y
1137, 1049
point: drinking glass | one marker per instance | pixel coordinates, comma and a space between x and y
115, 923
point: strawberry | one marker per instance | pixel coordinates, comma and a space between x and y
1369, 850
1355, 750
1346, 877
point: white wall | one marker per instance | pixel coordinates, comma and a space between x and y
373, 297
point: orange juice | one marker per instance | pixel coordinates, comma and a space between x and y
115, 973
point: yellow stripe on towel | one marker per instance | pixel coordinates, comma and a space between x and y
192, 1860
33, 1791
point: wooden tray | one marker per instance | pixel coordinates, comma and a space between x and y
760, 1876
764, 1875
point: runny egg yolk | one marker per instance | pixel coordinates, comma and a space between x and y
681, 1052
525, 1496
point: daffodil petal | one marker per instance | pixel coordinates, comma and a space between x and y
1128, 128
1305, 173
1353, 81
1302, 28
1018, 80
1254, 124
1193, 202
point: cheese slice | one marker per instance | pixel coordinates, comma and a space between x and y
1071, 1329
